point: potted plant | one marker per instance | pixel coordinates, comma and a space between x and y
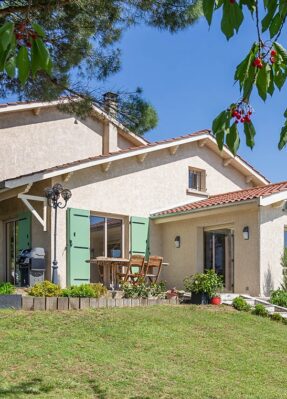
9, 300
203, 286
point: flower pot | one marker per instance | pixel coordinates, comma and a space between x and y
11, 301
216, 300
199, 299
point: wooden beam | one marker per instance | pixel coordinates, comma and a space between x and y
26, 198
106, 166
141, 157
227, 161
36, 111
202, 143
67, 177
173, 150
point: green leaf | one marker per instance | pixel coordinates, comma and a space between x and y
280, 78
245, 69
250, 132
35, 59
281, 51
3, 57
233, 139
275, 25
23, 64
236, 15
263, 81
10, 67
7, 26
226, 24
208, 8
266, 21
220, 121
285, 113
43, 55
6, 36
38, 29
220, 135
283, 137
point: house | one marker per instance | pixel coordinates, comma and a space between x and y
181, 198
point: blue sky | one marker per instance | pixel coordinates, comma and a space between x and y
188, 77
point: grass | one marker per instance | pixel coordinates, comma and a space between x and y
142, 353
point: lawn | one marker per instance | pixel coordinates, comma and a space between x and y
142, 353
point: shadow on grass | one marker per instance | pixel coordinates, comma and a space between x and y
102, 393
26, 389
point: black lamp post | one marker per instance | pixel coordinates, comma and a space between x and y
57, 197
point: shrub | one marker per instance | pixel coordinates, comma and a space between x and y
260, 310
276, 317
284, 321
99, 289
81, 291
46, 288
208, 283
143, 290
6, 289
279, 297
241, 304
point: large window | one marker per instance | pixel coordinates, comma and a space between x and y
196, 179
106, 237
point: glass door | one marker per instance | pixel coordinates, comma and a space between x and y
218, 254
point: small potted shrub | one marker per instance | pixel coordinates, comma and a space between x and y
203, 286
8, 298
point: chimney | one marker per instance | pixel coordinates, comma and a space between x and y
110, 100
110, 136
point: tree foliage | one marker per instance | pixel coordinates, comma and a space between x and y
50, 48
264, 68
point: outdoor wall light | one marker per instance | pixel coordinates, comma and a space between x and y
245, 232
57, 197
177, 242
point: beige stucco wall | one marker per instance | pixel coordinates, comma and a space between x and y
272, 223
30, 142
189, 258
130, 188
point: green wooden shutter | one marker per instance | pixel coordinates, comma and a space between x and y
23, 232
78, 246
139, 236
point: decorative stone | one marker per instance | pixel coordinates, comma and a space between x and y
63, 303
39, 303
102, 302
27, 303
51, 303
84, 303
127, 302
119, 302
111, 302
152, 301
74, 303
135, 302
143, 301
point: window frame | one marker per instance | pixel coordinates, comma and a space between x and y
201, 176
106, 217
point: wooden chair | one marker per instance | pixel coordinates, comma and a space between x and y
153, 268
134, 270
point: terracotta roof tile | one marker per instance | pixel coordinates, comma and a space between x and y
228, 198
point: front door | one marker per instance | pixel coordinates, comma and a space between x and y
218, 255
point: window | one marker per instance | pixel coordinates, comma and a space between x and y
106, 237
196, 179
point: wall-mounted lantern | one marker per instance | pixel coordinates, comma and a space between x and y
245, 233
177, 242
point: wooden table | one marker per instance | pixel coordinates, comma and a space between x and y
110, 266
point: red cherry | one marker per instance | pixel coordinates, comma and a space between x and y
272, 60
21, 26
273, 53
29, 44
232, 1
233, 114
260, 66
236, 122
19, 36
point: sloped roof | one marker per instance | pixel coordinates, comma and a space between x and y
124, 153
227, 198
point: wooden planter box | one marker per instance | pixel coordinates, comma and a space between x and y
11, 301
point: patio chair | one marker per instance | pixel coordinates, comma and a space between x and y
153, 268
134, 270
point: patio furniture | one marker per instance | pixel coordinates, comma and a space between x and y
108, 268
153, 268
134, 269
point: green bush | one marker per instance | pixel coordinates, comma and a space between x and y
85, 291
279, 297
143, 290
46, 288
6, 289
208, 283
276, 317
260, 310
241, 304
